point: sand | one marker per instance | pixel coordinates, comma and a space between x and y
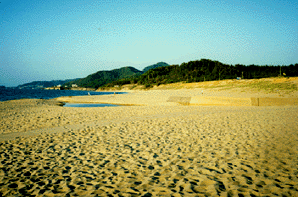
156, 148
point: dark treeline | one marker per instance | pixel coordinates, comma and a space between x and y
205, 70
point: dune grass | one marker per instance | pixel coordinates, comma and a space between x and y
270, 87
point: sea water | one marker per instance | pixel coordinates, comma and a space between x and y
14, 93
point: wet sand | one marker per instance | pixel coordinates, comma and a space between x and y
153, 150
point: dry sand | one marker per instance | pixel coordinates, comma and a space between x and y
161, 149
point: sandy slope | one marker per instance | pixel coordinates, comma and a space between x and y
265, 87
156, 150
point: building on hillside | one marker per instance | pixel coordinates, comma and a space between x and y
74, 85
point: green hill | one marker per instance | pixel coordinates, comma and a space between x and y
157, 65
101, 78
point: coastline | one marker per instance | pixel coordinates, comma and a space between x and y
158, 148
16, 94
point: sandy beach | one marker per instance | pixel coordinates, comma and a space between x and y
152, 148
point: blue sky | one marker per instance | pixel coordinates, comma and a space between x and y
64, 39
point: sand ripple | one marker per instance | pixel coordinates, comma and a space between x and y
200, 151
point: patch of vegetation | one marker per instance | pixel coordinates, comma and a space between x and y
148, 86
273, 87
132, 87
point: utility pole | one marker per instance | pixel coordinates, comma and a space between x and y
280, 71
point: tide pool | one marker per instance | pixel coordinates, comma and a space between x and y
89, 105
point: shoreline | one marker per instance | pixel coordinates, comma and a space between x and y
47, 94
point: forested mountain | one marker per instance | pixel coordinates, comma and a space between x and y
157, 65
206, 70
101, 78
44, 84
162, 73
95, 80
